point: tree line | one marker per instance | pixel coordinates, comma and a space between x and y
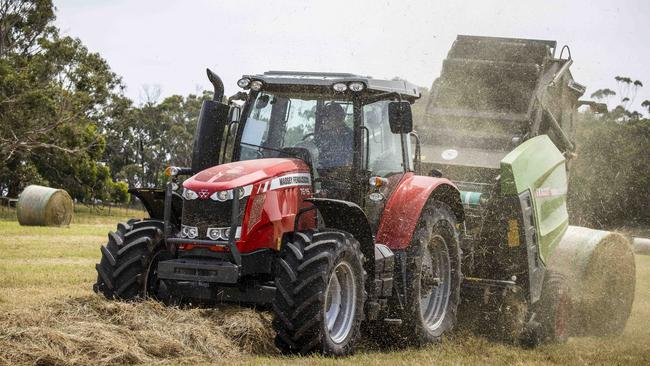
65, 120
609, 182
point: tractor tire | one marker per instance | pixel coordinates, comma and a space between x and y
320, 293
552, 312
127, 269
433, 277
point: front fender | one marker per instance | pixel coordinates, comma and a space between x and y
347, 216
153, 200
403, 209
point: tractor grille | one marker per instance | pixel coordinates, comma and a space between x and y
208, 213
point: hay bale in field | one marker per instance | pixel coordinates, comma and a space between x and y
642, 246
601, 272
44, 206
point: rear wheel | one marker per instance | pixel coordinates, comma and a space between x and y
320, 293
433, 277
128, 267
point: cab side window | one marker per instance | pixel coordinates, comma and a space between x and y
384, 147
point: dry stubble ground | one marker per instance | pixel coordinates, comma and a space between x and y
49, 315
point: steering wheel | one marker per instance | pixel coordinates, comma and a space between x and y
305, 143
304, 138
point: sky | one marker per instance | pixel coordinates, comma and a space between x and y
166, 45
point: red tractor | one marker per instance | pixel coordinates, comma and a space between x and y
320, 215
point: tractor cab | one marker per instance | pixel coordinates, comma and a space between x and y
347, 128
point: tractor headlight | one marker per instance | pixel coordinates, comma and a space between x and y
356, 86
244, 83
189, 231
189, 194
226, 233
242, 191
222, 233
340, 87
256, 85
222, 195
228, 194
214, 233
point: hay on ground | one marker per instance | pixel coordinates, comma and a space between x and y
90, 330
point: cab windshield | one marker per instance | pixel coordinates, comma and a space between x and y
276, 121
324, 127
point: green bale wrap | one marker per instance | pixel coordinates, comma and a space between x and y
44, 206
599, 266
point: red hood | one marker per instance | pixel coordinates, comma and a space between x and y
242, 173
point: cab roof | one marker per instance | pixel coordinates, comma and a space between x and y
275, 80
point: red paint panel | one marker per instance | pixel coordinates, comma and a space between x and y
242, 173
278, 209
403, 209
275, 209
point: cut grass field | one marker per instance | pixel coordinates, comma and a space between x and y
49, 315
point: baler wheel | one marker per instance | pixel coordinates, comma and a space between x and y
433, 277
127, 270
552, 312
320, 293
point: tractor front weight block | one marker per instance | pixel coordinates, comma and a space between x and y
199, 271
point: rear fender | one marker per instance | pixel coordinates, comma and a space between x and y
153, 200
404, 207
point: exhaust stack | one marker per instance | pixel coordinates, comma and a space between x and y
210, 128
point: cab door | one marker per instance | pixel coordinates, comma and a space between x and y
383, 159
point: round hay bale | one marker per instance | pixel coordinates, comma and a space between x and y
642, 246
44, 206
601, 272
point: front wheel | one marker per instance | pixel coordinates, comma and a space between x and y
129, 263
320, 293
433, 277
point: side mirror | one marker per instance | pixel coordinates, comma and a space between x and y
400, 117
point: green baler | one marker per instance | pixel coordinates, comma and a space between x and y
500, 124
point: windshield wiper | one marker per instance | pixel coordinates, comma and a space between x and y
270, 148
